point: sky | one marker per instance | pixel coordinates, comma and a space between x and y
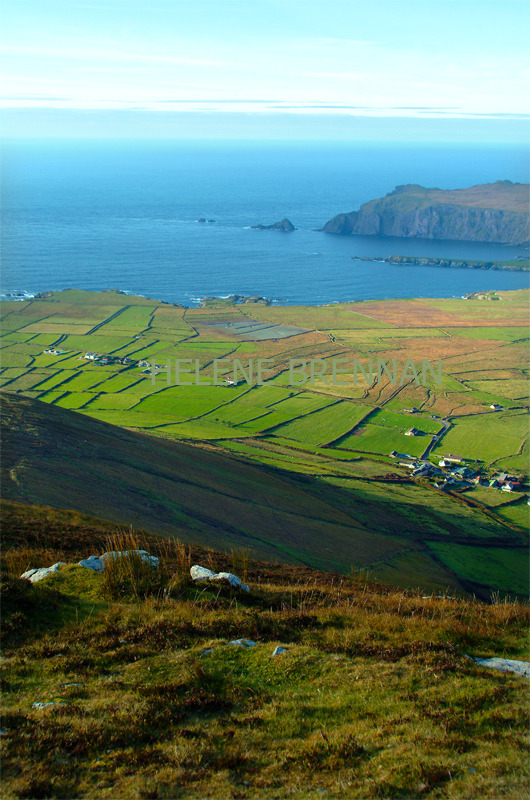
452, 69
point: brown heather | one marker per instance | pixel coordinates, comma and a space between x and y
373, 698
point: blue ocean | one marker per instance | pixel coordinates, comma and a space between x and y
124, 215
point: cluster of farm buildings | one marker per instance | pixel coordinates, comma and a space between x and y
452, 473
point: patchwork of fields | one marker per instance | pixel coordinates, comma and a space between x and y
316, 427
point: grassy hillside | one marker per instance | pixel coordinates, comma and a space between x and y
334, 521
373, 696
328, 443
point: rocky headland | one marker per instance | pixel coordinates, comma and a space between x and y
492, 212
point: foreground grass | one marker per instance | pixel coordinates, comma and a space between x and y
373, 696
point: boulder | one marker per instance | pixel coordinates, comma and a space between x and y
279, 650
92, 562
153, 561
199, 573
233, 580
35, 575
505, 665
243, 643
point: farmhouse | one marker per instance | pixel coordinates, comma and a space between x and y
452, 458
496, 407
91, 356
412, 432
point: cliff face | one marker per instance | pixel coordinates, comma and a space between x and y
488, 213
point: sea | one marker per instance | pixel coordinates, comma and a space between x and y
102, 215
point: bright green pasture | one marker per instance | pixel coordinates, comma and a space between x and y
377, 439
120, 382
132, 418
490, 496
508, 334
264, 396
505, 569
141, 386
36, 380
475, 397
189, 401
323, 318
236, 414
488, 437
17, 380
197, 430
20, 337
51, 397
131, 319
14, 321
519, 513
56, 329
84, 380
391, 419
325, 425
149, 350
67, 361
61, 376
73, 400
10, 357
110, 400
302, 403
301, 447
269, 420
95, 343
511, 388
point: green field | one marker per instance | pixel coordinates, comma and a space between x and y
502, 569
488, 437
378, 439
484, 360
325, 425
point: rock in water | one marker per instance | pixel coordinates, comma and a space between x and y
284, 225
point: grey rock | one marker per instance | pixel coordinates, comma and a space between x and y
97, 563
199, 573
233, 580
244, 643
279, 650
505, 665
40, 706
35, 575
153, 561
92, 562
284, 225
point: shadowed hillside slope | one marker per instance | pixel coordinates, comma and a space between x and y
56, 457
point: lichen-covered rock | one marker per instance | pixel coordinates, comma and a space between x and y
244, 643
199, 573
505, 665
92, 562
38, 574
153, 561
233, 580
97, 563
